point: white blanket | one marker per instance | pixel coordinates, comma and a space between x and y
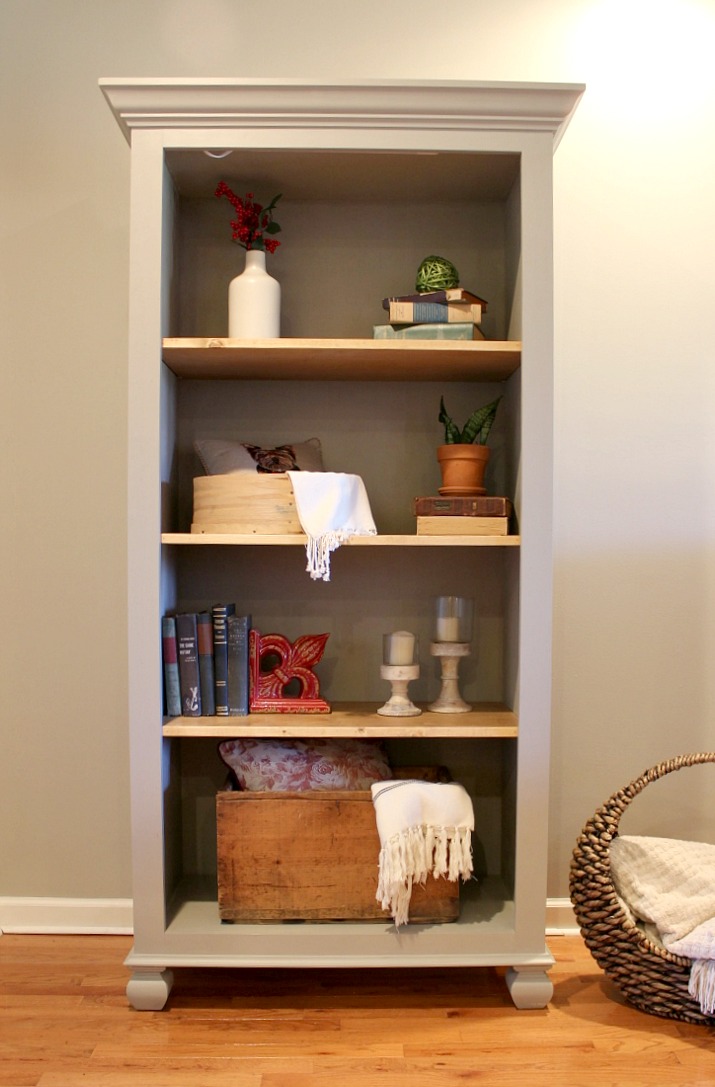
670, 885
425, 828
331, 507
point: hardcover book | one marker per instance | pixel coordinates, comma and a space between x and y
204, 622
219, 614
172, 691
188, 652
485, 505
408, 313
462, 526
238, 684
450, 294
430, 330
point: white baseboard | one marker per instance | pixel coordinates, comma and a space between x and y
72, 916
113, 916
560, 918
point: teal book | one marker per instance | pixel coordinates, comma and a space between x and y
440, 330
172, 692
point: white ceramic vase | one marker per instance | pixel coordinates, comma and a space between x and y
254, 301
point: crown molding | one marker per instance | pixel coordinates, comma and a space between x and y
263, 103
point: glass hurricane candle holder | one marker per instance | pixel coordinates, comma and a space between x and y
399, 667
400, 647
453, 619
453, 633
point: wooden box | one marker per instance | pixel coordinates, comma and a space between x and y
245, 502
309, 856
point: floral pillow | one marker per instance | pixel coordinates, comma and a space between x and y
302, 765
220, 456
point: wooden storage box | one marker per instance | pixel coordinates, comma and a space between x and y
245, 502
309, 856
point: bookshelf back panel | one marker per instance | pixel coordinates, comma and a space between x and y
371, 592
479, 765
334, 175
354, 230
387, 433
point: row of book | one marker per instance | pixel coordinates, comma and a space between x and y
205, 656
453, 314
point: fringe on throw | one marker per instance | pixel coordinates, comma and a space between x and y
318, 550
702, 984
416, 853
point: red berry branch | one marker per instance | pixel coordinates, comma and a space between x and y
252, 221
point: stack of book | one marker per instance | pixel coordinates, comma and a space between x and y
206, 663
454, 314
484, 515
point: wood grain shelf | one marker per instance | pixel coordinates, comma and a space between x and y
255, 539
342, 360
488, 720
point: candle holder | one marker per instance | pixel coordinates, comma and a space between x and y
450, 700
399, 667
453, 632
399, 703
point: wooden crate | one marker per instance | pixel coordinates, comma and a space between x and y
309, 856
245, 502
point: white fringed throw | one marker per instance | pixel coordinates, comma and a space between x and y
425, 828
331, 507
669, 885
701, 984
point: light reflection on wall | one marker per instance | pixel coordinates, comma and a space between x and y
648, 60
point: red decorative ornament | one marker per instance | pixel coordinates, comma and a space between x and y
276, 664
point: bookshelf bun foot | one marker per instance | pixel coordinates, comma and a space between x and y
148, 990
529, 987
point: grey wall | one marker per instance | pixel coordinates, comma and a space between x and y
634, 667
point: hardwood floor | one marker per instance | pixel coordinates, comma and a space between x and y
64, 1021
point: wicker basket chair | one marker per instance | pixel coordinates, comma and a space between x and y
649, 977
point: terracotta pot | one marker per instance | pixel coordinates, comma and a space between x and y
463, 468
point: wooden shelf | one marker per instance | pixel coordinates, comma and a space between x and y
488, 720
255, 540
342, 360
481, 935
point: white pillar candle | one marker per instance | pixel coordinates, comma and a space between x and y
448, 628
453, 620
398, 647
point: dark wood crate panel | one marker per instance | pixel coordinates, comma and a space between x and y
309, 856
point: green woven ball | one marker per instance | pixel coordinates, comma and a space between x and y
436, 274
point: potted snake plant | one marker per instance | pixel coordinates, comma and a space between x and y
463, 457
